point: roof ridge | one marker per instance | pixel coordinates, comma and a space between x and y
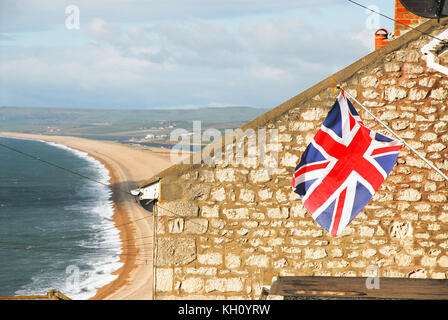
340, 76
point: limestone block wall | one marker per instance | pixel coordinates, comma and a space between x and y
232, 228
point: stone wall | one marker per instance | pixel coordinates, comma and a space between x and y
233, 228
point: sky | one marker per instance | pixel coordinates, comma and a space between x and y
155, 54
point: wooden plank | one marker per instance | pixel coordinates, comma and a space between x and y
355, 288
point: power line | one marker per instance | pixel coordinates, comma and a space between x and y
74, 237
77, 248
139, 254
100, 243
397, 21
93, 180
127, 223
125, 240
15, 245
58, 166
82, 176
24, 246
130, 239
147, 254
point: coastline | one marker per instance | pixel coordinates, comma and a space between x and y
127, 166
122, 223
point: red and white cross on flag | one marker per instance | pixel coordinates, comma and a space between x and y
342, 167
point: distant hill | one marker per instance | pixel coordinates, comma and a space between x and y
119, 122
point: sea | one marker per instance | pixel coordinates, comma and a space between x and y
56, 228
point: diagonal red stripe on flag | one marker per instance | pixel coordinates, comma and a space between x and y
311, 168
386, 149
339, 209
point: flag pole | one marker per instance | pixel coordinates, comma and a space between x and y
429, 163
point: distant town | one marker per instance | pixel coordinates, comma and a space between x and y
127, 126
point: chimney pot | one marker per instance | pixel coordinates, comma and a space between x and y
381, 38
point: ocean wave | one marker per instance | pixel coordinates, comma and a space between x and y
82, 277
104, 175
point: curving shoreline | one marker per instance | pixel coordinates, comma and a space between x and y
127, 166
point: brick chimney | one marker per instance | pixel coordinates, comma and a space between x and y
403, 16
403, 19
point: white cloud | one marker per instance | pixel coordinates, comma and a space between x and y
364, 37
32, 15
191, 61
103, 31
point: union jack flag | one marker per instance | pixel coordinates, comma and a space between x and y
342, 167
